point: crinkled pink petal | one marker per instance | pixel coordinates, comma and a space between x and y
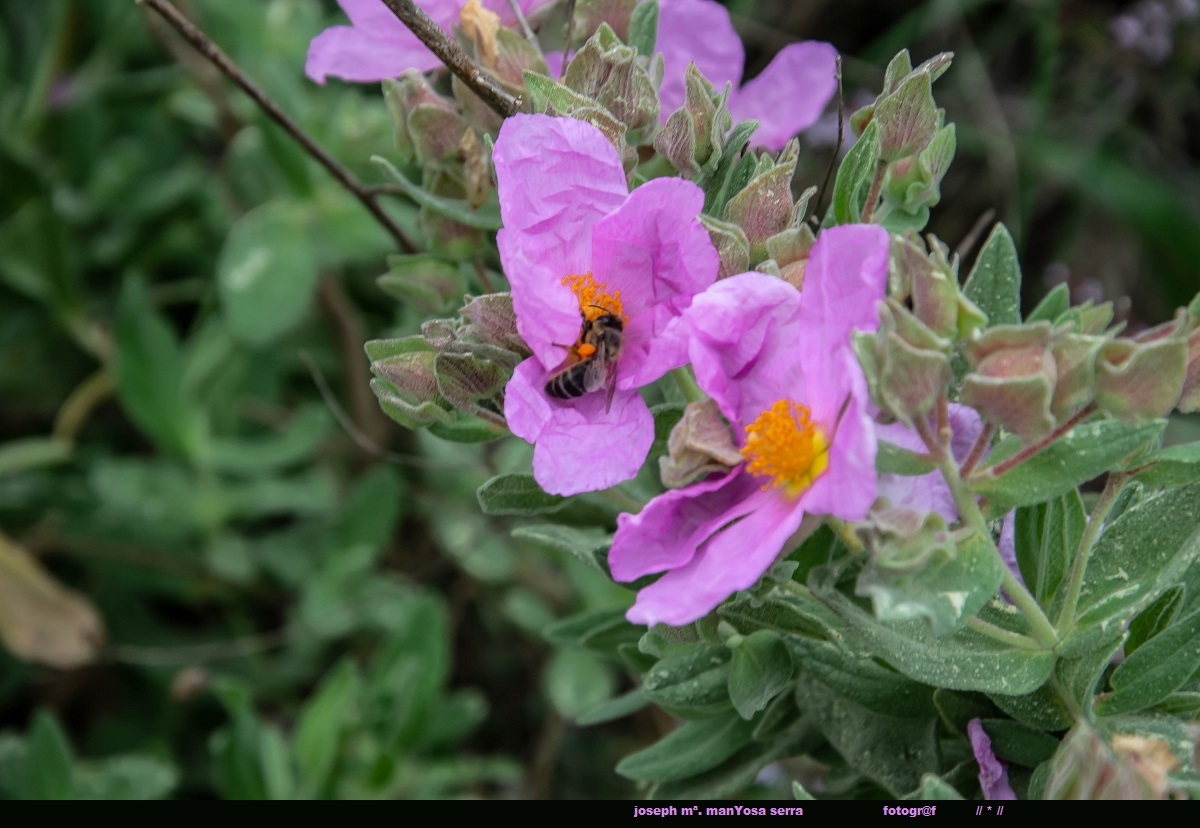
363, 56
734, 559
993, 774
699, 31
789, 95
655, 251
579, 446
556, 177
669, 529
847, 487
733, 325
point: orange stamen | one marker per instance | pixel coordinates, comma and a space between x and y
594, 299
786, 447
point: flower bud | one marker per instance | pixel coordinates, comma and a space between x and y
1013, 379
472, 385
904, 541
700, 443
1086, 767
407, 388
1141, 379
1075, 361
491, 318
732, 245
608, 72
929, 279
765, 207
1190, 399
907, 365
427, 127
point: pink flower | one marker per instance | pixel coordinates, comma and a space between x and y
576, 243
377, 45
993, 774
786, 97
780, 366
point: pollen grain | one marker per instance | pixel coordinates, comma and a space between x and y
784, 445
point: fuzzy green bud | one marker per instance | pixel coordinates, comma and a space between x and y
1142, 379
1013, 379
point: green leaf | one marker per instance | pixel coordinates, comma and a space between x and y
267, 272
1170, 467
781, 612
1053, 305
761, 668
1184, 705
48, 762
577, 681
29, 453
933, 787
583, 544
892, 751
1139, 556
691, 683
615, 708
862, 680
1079, 675
691, 749
321, 725
149, 373
516, 494
1041, 709
127, 778
799, 793
1085, 452
946, 594
1154, 618
1156, 669
278, 774
601, 629
456, 209
854, 177
907, 118
1046, 537
994, 283
733, 171
892, 459
371, 511
464, 428
965, 660
643, 28
296, 443
1013, 741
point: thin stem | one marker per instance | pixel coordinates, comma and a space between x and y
206, 47
838, 146
876, 187
1027, 452
570, 24
936, 450
1108, 498
977, 451
500, 100
522, 22
687, 385
80, 403
198, 653
968, 511
1022, 642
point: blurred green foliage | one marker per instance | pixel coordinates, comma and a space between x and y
297, 599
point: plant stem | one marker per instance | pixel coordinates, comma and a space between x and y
1022, 642
1112, 487
876, 187
570, 24
500, 100
1027, 452
968, 510
977, 451
206, 47
687, 385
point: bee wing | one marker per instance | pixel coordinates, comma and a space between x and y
612, 385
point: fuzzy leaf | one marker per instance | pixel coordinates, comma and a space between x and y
516, 494
994, 284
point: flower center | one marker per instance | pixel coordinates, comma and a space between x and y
594, 299
786, 447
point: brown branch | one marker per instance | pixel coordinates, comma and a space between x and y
205, 46
841, 111
1027, 452
502, 102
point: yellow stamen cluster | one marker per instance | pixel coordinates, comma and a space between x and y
594, 300
784, 445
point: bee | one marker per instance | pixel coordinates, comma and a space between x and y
592, 363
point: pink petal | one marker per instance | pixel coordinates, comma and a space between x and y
735, 324
556, 177
847, 488
699, 31
733, 559
363, 56
669, 529
655, 251
373, 15
579, 447
789, 95
993, 774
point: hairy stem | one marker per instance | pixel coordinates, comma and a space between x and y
687, 385
1112, 487
1021, 642
489, 90
206, 47
1027, 452
977, 451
